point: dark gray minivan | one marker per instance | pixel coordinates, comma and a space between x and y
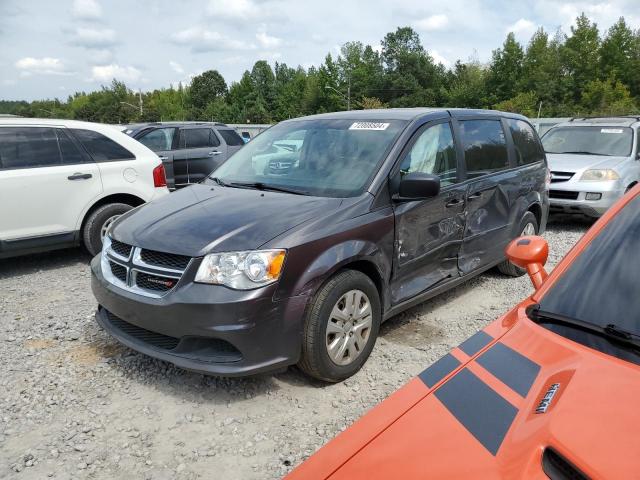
299, 246
188, 150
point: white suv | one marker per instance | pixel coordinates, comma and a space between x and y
63, 182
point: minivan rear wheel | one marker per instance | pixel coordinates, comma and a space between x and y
98, 223
528, 226
341, 327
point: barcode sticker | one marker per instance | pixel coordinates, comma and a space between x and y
611, 130
368, 126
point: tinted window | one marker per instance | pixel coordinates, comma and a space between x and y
589, 140
485, 149
332, 158
158, 139
71, 154
101, 148
197, 138
527, 147
601, 285
231, 138
28, 147
433, 152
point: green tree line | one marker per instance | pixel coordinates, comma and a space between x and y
584, 72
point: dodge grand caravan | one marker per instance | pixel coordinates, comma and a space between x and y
253, 271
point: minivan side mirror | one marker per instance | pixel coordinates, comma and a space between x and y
417, 186
531, 253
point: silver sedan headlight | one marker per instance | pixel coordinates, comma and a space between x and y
242, 270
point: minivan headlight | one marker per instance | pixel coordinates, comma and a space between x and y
599, 175
241, 270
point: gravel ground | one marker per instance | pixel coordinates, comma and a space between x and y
76, 404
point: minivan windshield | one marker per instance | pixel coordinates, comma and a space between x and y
320, 157
589, 140
601, 285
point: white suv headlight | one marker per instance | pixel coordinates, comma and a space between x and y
599, 175
241, 270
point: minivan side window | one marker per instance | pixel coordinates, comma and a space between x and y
22, 147
198, 138
231, 137
485, 147
528, 148
100, 147
433, 152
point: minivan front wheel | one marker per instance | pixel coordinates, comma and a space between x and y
528, 226
341, 327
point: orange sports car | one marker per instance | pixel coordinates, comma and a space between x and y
551, 389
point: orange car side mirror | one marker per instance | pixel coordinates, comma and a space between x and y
530, 253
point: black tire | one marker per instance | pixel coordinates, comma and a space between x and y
508, 268
315, 360
91, 232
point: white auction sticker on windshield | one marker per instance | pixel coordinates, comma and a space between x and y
368, 126
611, 130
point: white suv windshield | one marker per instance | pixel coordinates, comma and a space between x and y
589, 140
331, 158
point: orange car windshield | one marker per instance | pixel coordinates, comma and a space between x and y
601, 285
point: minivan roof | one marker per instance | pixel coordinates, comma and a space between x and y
405, 114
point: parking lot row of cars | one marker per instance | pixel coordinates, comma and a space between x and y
296, 248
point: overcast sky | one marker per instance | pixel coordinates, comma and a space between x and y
54, 48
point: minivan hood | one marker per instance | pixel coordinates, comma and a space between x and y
202, 219
565, 162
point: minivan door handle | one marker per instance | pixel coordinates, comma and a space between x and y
474, 196
453, 203
163, 157
80, 176
215, 152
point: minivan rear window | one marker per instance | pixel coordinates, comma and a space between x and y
485, 148
527, 146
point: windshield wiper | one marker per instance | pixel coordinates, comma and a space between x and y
266, 186
218, 181
610, 332
582, 152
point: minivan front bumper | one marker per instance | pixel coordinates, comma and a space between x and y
204, 328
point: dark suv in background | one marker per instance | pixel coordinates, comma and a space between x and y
256, 269
188, 150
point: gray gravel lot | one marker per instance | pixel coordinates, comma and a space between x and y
75, 404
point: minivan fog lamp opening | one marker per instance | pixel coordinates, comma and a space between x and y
241, 270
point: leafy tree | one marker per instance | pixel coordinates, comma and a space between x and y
579, 55
206, 87
608, 97
523, 103
620, 56
505, 70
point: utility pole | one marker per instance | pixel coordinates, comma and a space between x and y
140, 100
349, 91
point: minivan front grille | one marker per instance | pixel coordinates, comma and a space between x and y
164, 259
157, 340
563, 194
146, 272
120, 248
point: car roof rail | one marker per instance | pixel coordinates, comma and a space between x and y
605, 117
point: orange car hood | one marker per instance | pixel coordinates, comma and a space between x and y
480, 412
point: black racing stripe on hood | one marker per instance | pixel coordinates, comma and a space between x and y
440, 369
510, 367
474, 344
484, 413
